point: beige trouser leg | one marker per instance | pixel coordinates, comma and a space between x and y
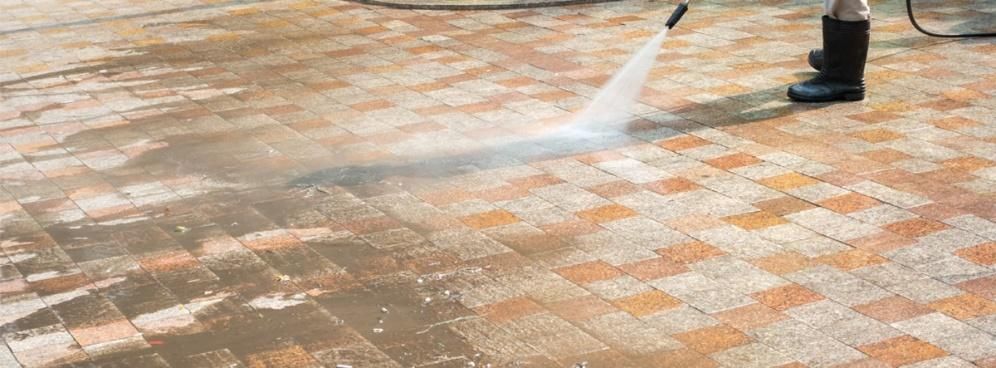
847, 10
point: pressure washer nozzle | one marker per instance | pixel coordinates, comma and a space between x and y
677, 14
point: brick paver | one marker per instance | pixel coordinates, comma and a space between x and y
298, 183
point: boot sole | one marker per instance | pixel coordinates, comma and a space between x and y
840, 97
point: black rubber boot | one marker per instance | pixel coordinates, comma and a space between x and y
816, 59
842, 75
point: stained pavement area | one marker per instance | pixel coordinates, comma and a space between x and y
324, 183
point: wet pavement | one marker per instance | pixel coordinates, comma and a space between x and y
323, 183
474, 4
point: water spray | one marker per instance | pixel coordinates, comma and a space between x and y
614, 101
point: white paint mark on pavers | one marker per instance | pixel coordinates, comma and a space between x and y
197, 305
20, 257
11, 311
105, 283
60, 298
122, 221
164, 320
278, 302
45, 275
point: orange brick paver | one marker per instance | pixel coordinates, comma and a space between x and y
712, 339
647, 303
490, 219
786, 297
902, 350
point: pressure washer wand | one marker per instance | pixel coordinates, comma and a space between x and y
677, 14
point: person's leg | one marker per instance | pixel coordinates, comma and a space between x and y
846, 29
847, 10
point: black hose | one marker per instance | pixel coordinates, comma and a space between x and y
909, 11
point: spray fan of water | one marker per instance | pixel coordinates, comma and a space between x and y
613, 103
585, 132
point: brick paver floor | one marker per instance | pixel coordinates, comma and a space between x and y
474, 4
297, 183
